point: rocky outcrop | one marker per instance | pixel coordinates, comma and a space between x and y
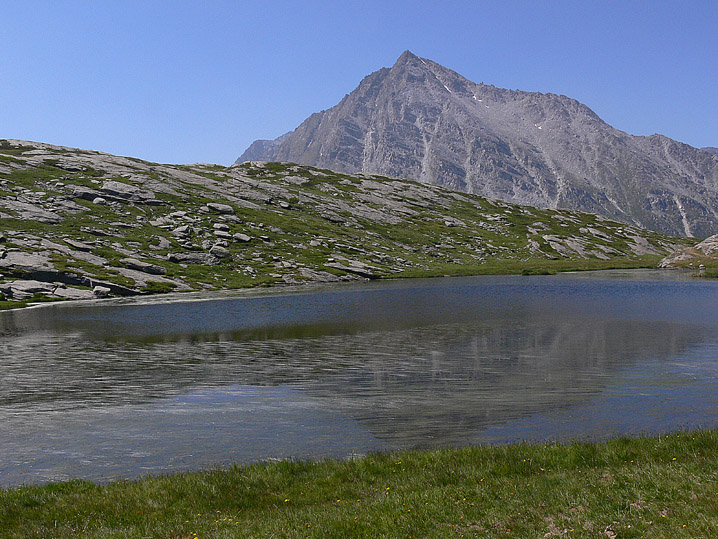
145, 267
704, 253
194, 227
422, 121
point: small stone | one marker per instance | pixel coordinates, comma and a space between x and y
190, 258
219, 251
79, 245
242, 237
221, 208
145, 267
164, 243
99, 201
101, 291
220, 226
222, 234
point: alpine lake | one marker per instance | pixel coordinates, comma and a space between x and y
125, 388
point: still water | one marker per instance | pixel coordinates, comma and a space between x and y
120, 388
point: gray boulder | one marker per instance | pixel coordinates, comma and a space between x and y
221, 208
219, 251
101, 291
145, 267
25, 289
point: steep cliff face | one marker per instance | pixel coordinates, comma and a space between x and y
422, 121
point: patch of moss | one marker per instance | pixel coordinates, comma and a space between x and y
157, 287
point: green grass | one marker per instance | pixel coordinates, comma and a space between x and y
645, 487
6, 304
157, 287
537, 266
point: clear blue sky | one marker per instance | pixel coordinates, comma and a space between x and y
186, 81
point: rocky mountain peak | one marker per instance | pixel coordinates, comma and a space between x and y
423, 121
407, 57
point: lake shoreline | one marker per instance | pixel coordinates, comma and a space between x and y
658, 485
308, 287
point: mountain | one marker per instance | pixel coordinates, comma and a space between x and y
260, 148
706, 149
76, 223
422, 121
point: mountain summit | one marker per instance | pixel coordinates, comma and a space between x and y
422, 121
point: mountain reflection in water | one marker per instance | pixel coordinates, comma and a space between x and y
419, 364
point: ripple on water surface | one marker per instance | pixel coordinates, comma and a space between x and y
122, 390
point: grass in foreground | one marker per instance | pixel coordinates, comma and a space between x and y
646, 487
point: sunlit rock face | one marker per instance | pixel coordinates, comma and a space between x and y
706, 252
422, 121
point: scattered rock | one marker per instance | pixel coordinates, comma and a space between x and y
30, 212
94, 231
101, 291
73, 293
242, 237
128, 192
79, 245
164, 243
318, 276
192, 258
25, 289
707, 248
145, 267
353, 266
27, 263
221, 208
219, 251
99, 201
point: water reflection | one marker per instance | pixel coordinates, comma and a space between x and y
118, 389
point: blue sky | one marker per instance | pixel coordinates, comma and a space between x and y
187, 81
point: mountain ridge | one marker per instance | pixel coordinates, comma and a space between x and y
422, 121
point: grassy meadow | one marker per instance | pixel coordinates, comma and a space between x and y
645, 487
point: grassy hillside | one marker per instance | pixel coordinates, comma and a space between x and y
73, 220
